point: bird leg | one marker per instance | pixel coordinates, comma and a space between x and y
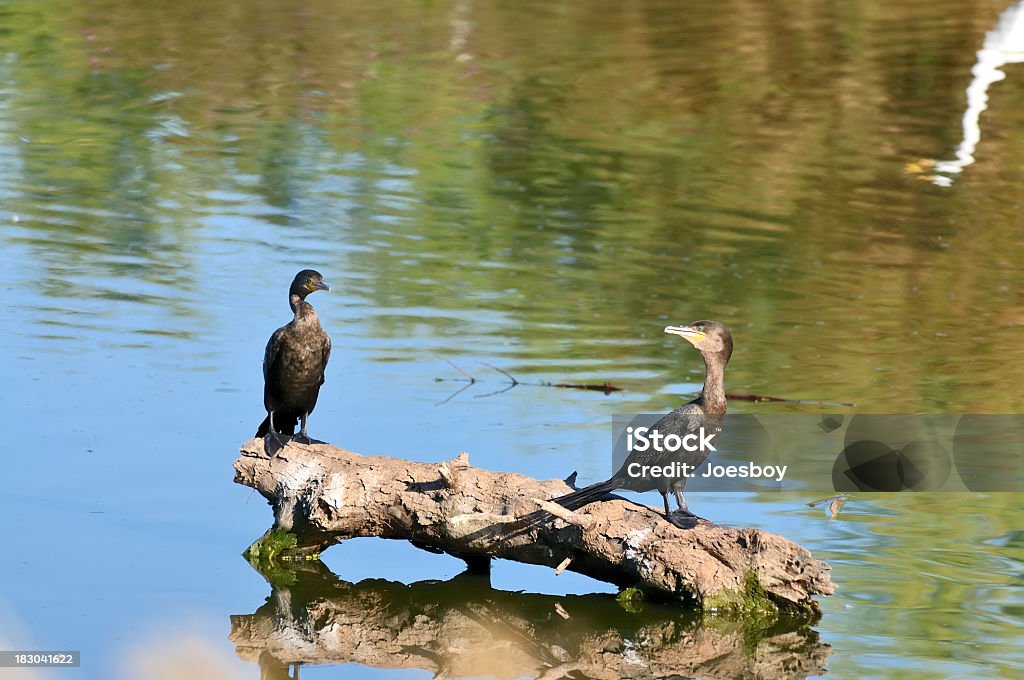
682, 518
303, 436
272, 442
681, 502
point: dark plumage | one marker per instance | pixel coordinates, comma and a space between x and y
714, 342
294, 362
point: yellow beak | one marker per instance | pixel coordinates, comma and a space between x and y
692, 335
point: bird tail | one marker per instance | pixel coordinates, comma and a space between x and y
586, 495
570, 501
284, 424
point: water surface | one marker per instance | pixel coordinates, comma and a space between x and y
541, 187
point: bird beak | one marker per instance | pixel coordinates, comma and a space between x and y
322, 286
692, 335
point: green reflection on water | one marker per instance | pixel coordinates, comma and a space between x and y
650, 165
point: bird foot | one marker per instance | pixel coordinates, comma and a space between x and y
684, 519
274, 442
306, 439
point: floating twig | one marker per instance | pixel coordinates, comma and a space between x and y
605, 387
502, 371
512, 381
608, 388
456, 393
761, 398
451, 363
502, 390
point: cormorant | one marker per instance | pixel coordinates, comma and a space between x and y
294, 363
707, 411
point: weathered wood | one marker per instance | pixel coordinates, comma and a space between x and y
464, 628
322, 494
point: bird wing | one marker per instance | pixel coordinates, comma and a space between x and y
326, 355
687, 418
271, 353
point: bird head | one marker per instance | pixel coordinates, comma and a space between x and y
307, 281
709, 337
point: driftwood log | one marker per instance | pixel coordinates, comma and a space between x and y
464, 628
322, 495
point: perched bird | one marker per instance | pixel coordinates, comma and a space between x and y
294, 364
707, 411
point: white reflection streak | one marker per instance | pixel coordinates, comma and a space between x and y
461, 29
1003, 45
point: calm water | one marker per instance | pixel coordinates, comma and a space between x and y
541, 187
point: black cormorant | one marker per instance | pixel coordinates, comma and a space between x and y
294, 363
714, 342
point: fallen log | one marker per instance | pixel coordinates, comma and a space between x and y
465, 628
322, 495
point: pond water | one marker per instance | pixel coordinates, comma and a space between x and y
539, 187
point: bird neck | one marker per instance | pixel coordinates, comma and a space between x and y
713, 394
304, 311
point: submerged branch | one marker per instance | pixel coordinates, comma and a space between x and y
322, 495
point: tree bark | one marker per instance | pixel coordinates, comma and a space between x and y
322, 495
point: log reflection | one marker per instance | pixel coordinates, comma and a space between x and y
463, 627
